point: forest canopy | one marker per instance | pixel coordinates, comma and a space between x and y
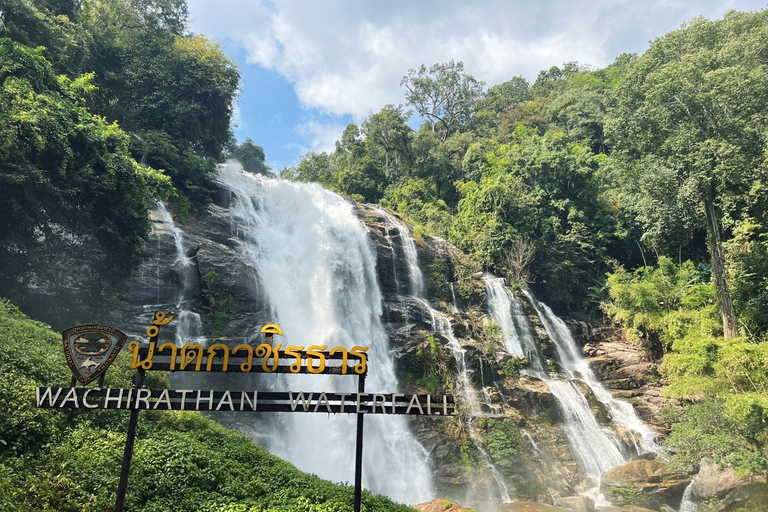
104, 106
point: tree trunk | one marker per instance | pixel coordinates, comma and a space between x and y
718, 271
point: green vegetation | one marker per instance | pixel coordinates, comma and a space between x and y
87, 90
70, 460
671, 310
652, 170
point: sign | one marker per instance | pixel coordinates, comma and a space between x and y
90, 349
243, 401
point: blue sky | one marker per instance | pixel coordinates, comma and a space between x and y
310, 67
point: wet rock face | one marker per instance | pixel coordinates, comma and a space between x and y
645, 482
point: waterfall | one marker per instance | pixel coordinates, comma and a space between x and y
577, 367
686, 505
415, 277
590, 444
188, 325
442, 326
316, 268
506, 310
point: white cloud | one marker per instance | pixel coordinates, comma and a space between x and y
322, 137
347, 56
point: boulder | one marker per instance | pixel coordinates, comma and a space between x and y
713, 481
644, 482
749, 497
440, 506
575, 503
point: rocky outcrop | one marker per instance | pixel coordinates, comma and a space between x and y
533, 454
440, 506
645, 481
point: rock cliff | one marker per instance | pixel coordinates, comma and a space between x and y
516, 439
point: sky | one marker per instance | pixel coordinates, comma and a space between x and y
310, 67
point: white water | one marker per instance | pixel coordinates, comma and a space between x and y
189, 327
415, 276
316, 267
686, 505
506, 310
577, 367
442, 326
591, 445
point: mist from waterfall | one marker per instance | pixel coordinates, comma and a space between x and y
442, 326
188, 325
576, 366
316, 269
595, 450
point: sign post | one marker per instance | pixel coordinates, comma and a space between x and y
91, 349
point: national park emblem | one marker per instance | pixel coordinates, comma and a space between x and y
90, 349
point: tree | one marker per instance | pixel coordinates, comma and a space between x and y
73, 212
388, 139
696, 103
443, 94
251, 157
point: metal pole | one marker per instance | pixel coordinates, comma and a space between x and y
128, 453
359, 450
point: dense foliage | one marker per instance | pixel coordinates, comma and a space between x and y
56, 460
87, 90
652, 171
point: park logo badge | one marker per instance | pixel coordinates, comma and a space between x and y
90, 349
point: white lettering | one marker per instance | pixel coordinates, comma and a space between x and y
244, 398
209, 400
360, 402
343, 399
71, 397
145, 398
429, 404
323, 399
394, 401
164, 398
445, 405
378, 399
184, 393
414, 398
48, 393
305, 403
85, 399
118, 398
226, 400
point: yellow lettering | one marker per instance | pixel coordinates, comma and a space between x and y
316, 351
225, 351
361, 367
343, 360
248, 364
192, 352
294, 351
265, 351
146, 364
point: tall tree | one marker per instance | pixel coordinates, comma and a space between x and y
444, 94
696, 103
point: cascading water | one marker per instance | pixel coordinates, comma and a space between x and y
316, 268
686, 505
442, 326
188, 325
591, 445
507, 311
577, 367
